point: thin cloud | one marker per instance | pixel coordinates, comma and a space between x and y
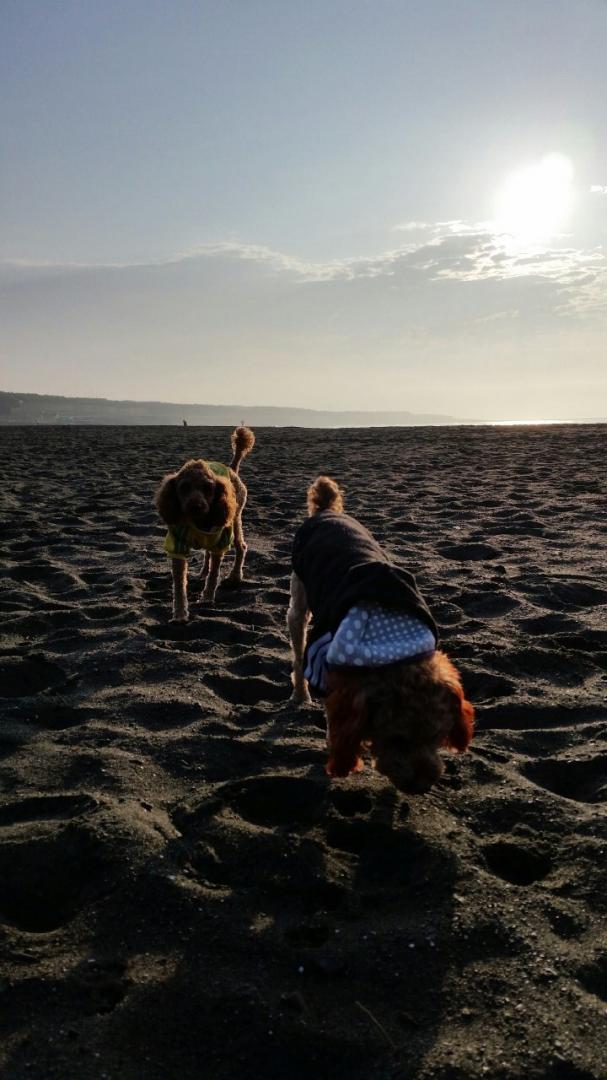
413, 226
448, 251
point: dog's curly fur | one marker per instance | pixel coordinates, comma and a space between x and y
324, 494
195, 494
402, 713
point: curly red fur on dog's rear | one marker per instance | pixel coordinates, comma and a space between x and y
346, 721
403, 713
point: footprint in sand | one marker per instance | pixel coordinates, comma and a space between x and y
570, 594
257, 664
593, 977
248, 690
100, 986
47, 873
386, 857
579, 594
350, 802
164, 715
225, 851
521, 716
446, 614
56, 579
58, 716
583, 780
515, 863
567, 919
219, 631
356, 836
491, 604
22, 676
485, 686
546, 664
278, 800
249, 617
46, 808
547, 625
469, 552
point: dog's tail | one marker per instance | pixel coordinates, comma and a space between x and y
243, 441
325, 494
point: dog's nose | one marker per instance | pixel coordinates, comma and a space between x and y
197, 510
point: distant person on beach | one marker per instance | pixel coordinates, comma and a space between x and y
185, 423
371, 651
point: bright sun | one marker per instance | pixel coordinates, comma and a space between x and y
534, 202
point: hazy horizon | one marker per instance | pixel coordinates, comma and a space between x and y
248, 414
344, 206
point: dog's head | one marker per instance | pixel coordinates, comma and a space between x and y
404, 714
197, 495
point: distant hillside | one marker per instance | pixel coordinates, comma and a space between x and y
47, 409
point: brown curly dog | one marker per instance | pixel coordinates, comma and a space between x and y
402, 712
202, 506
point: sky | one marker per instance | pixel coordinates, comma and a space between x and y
342, 204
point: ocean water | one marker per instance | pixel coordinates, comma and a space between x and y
531, 423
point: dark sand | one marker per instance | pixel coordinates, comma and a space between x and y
182, 891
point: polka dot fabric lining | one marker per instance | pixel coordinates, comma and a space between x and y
373, 636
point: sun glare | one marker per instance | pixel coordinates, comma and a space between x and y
534, 202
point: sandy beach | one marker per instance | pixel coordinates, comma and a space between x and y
183, 893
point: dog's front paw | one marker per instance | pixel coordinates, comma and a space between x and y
207, 597
301, 697
179, 620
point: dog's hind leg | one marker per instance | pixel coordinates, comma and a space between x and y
205, 569
179, 570
210, 585
236, 574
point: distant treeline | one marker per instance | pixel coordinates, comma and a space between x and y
48, 409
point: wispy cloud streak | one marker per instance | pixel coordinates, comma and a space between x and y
455, 251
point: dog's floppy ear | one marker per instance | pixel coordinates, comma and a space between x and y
460, 735
459, 711
167, 501
222, 510
346, 709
